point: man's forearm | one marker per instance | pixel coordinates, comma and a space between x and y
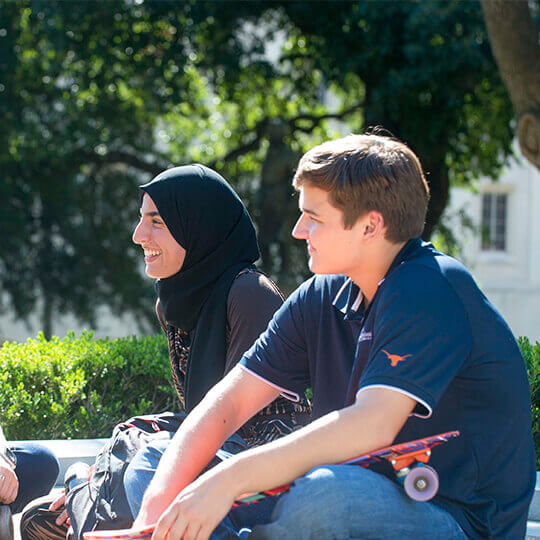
334, 438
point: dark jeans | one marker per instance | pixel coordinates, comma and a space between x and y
37, 469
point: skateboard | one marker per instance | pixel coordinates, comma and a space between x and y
409, 460
122, 534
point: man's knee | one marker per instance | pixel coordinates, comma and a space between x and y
318, 496
332, 482
321, 503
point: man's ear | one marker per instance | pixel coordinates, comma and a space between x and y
373, 226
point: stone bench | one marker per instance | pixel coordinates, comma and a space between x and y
72, 450
533, 525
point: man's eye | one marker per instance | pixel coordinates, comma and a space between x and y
157, 222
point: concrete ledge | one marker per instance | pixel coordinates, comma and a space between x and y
69, 451
533, 530
534, 510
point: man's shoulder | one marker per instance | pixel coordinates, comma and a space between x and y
429, 271
319, 289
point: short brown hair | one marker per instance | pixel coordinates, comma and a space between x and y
370, 172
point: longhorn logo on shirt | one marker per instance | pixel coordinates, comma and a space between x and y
395, 359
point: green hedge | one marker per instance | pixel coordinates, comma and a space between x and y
531, 354
81, 387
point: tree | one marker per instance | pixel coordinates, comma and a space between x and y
99, 96
513, 34
427, 76
67, 205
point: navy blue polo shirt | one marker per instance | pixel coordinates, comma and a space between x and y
429, 333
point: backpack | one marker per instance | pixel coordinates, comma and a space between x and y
100, 503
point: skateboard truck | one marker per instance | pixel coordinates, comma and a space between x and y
421, 482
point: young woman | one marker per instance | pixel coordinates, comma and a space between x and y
200, 244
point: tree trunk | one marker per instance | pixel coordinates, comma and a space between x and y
439, 184
514, 40
46, 316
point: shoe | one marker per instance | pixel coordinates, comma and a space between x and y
39, 523
6, 523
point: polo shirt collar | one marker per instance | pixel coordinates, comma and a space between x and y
348, 299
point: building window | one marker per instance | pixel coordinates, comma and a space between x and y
494, 207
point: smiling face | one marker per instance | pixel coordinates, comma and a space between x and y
332, 248
163, 255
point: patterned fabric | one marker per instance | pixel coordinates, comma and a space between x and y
39, 523
179, 344
279, 418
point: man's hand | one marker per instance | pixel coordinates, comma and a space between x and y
56, 505
198, 509
9, 484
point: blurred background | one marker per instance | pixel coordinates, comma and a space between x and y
98, 97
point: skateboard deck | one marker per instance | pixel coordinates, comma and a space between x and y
122, 534
421, 482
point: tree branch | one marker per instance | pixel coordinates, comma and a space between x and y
246, 147
262, 125
126, 158
316, 120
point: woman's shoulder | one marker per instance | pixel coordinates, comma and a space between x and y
251, 281
252, 295
253, 299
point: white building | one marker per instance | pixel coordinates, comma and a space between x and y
503, 249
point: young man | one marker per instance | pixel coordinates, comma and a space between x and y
397, 343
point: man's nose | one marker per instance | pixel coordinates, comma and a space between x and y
300, 230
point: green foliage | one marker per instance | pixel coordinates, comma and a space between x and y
97, 96
531, 355
81, 387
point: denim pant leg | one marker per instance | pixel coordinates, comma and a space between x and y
141, 470
348, 502
36, 470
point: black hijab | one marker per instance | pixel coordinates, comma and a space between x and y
207, 218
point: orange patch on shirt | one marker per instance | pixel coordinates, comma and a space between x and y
395, 359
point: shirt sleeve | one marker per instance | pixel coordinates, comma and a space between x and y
280, 356
421, 338
253, 299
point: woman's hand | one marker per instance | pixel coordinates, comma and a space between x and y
58, 503
9, 484
198, 509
